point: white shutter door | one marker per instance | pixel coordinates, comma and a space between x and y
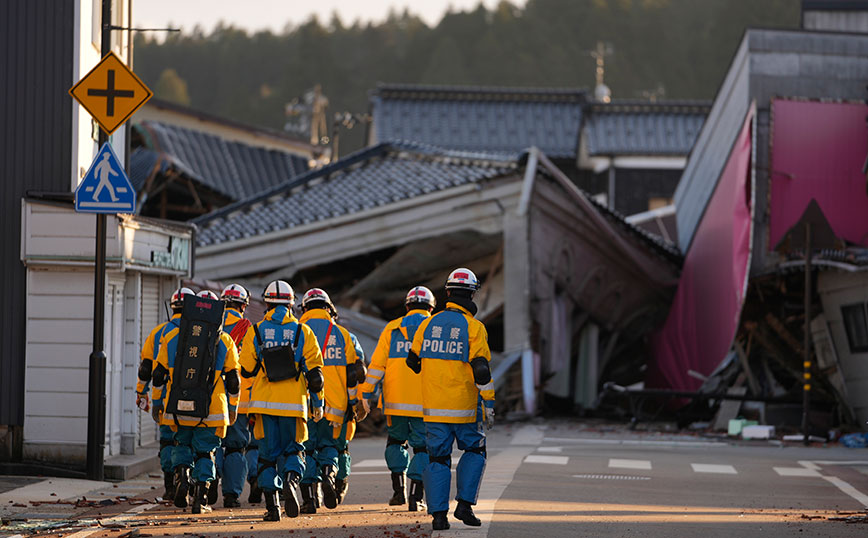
151, 316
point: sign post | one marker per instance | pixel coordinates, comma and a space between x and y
111, 93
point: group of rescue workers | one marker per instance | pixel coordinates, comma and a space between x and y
276, 402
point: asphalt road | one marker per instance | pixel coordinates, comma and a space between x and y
569, 480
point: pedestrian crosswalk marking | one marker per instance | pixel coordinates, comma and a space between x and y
553, 460
796, 471
630, 464
713, 468
369, 463
555, 449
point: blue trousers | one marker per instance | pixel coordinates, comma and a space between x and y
194, 447
438, 475
410, 429
167, 446
231, 463
321, 449
278, 445
345, 461
252, 457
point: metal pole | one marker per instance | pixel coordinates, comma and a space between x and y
806, 393
96, 377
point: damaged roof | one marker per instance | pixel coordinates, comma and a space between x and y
643, 128
500, 120
373, 177
233, 169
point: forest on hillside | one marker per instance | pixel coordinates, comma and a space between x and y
674, 49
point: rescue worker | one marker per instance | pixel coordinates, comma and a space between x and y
283, 358
348, 432
339, 357
150, 350
450, 349
231, 459
196, 439
402, 390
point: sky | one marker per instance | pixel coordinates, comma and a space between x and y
255, 15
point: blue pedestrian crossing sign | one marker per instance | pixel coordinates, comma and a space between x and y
106, 187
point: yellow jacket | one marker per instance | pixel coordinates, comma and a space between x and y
402, 388
231, 317
338, 353
227, 360
287, 398
151, 349
446, 343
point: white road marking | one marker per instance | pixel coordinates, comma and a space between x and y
848, 489
713, 468
833, 462
369, 463
796, 471
553, 460
611, 477
554, 449
810, 465
633, 442
630, 464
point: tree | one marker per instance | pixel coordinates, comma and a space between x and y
171, 87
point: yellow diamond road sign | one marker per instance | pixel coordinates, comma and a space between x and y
111, 92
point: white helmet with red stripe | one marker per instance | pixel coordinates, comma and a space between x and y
316, 294
235, 293
420, 294
177, 300
279, 292
462, 279
208, 294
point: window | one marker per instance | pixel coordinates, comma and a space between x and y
856, 325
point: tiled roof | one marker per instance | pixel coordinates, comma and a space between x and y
643, 128
231, 168
480, 119
370, 178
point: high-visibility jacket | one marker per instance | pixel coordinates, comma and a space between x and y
402, 388
151, 349
287, 398
446, 343
338, 352
231, 318
227, 361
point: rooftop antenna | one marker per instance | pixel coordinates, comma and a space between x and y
602, 93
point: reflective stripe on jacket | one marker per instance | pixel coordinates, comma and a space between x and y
287, 398
402, 388
447, 342
338, 353
151, 349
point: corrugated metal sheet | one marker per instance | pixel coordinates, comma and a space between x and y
151, 316
36, 38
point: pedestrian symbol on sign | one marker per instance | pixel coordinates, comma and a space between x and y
106, 179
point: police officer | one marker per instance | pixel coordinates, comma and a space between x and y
339, 357
402, 390
194, 435
348, 432
450, 349
231, 460
283, 358
150, 350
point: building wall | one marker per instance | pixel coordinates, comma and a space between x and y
35, 151
634, 188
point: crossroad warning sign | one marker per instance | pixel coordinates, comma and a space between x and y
111, 92
105, 187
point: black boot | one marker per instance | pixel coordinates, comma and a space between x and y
169, 485
290, 497
464, 512
329, 495
200, 498
272, 508
414, 499
255, 496
213, 489
230, 500
441, 522
398, 487
308, 492
341, 487
182, 486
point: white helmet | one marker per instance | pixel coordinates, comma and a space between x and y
462, 279
235, 293
208, 294
177, 300
420, 294
278, 292
316, 294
